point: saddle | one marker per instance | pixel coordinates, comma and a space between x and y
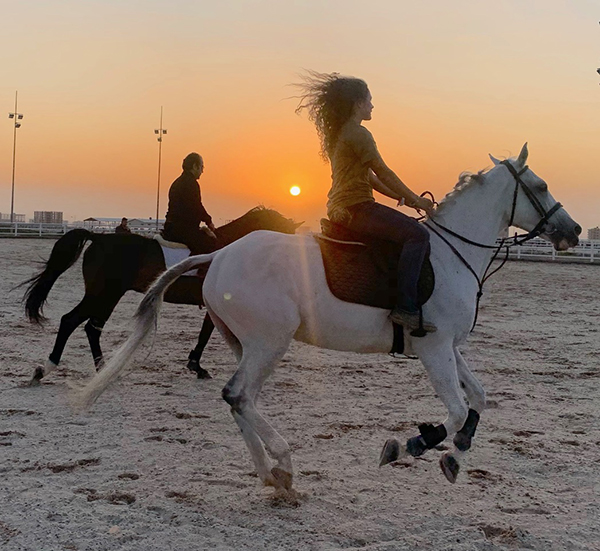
363, 270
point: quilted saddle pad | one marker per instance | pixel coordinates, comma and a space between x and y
363, 270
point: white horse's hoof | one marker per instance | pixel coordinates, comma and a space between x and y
390, 452
283, 479
450, 467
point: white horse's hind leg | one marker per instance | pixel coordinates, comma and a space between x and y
226, 333
253, 441
257, 450
241, 392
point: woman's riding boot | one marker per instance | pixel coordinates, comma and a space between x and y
406, 312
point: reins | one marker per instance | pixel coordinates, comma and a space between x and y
516, 239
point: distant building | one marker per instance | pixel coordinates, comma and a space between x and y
594, 233
144, 224
6, 217
47, 217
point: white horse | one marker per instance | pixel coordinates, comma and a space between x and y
269, 288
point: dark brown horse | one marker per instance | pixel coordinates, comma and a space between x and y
116, 263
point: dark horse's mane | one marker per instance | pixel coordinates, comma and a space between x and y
261, 213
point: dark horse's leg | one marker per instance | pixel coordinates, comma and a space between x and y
195, 355
68, 323
95, 309
93, 328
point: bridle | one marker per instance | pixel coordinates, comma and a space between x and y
504, 242
535, 202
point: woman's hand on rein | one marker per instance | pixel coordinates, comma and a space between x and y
418, 203
422, 203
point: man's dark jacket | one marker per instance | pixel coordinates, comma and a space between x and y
185, 206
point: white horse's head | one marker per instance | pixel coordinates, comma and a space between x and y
534, 207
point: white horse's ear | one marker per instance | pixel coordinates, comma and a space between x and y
523, 156
494, 160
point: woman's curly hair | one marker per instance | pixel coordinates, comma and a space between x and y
329, 99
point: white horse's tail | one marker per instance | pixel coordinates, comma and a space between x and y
145, 319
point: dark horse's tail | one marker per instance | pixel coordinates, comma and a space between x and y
64, 254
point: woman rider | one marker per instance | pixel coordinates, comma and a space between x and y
337, 105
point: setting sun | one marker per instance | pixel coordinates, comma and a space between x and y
295, 190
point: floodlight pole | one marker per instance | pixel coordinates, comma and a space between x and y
160, 131
17, 117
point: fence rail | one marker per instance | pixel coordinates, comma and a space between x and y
587, 251
24, 229
29, 229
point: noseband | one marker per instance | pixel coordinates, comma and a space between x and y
516, 240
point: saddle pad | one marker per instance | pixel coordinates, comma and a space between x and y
173, 255
164, 243
368, 274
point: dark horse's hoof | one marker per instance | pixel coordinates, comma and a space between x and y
200, 372
38, 375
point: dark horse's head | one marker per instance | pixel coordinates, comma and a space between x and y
258, 218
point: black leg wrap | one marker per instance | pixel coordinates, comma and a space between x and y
462, 439
430, 437
416, 446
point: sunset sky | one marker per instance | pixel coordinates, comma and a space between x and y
451, 82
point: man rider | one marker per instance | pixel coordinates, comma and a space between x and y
186, 212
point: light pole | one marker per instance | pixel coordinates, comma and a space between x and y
17, 117
160, 132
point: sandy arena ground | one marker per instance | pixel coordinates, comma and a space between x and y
158, 464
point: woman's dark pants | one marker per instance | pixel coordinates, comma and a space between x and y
381, 222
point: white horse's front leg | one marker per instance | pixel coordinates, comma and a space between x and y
472, 387
450, 461
437, 355
476, 398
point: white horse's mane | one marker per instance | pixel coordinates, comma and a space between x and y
466, 180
